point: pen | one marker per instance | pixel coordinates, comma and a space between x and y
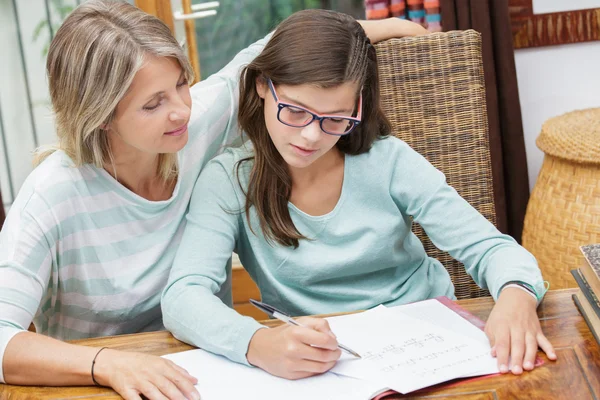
275, 313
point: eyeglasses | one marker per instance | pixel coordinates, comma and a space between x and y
298, 117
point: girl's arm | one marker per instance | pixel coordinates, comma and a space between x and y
490, 257
193, 302
33, 359
193, 312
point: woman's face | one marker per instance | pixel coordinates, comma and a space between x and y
153, 115
301, 147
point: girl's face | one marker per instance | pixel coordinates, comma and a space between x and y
152, 117
301, 147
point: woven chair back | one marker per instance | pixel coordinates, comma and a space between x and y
432, 91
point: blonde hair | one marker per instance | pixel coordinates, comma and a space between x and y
91, 63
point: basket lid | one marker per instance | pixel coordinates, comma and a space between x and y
574, 136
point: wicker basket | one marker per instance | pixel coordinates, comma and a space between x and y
564, 209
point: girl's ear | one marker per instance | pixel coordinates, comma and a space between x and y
261, 87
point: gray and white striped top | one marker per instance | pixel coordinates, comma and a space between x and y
82, 256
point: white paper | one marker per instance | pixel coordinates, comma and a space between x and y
220, 378
437, 313
405, 353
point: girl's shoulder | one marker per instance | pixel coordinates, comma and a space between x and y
232, 156
234, 162
392, 159
386, 150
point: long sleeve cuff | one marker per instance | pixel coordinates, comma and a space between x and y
521, 287
6, 334
240, 349
536, 285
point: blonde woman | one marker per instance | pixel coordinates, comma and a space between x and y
89, 241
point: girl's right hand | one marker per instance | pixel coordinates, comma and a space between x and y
135, 374
295, 352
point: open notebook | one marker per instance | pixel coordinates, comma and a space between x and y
404, 349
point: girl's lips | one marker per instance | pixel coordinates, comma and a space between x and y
178, 131
302, 151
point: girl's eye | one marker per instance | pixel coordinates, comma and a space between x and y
182, 83
295, 110
337, 120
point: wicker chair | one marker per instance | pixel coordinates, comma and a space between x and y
432, 91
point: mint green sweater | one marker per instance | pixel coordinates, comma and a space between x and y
362, 253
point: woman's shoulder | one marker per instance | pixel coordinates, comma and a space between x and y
57, 168
55, 179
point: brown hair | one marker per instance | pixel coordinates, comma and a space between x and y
91, 63
317, 47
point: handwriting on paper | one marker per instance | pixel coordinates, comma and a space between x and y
406, 353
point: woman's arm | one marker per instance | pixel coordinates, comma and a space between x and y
218, 94
379, 30
33, 359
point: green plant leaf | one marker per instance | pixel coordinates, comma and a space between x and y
38, 29
64, 11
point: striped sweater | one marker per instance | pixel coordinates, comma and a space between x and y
82, 256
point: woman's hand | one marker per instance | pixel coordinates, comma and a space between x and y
378, 30
135, 374
513, 329
295, 352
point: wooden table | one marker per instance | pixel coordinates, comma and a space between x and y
575, 376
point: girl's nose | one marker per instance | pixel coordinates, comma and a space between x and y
312, 132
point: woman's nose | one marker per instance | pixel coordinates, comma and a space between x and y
182, 112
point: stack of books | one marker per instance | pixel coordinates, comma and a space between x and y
588, 279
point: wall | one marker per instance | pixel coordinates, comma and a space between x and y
554, 80
20, 129
17, 123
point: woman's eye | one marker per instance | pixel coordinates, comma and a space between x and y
182, 83
152, 107
336, 120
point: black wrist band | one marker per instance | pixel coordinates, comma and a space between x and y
521, 284
93, 363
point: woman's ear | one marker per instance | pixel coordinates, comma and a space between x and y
261, 87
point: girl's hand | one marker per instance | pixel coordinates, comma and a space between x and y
513, 329
295, 352
135, 374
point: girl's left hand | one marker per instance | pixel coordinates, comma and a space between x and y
513, 329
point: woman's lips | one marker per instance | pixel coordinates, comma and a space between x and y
177, 132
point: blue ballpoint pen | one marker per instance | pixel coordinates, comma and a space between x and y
275, 313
